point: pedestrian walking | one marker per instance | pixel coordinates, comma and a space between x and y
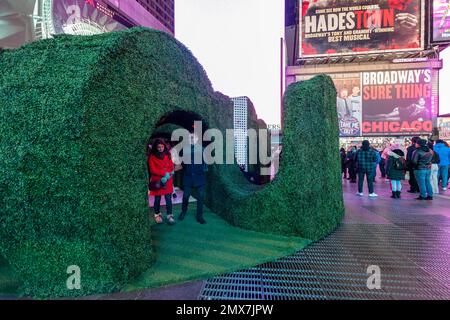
421, 159
444, 155
434, 177
366, 163
343, 156
351, 164
377, 162
395, 170
414, 187
382, 165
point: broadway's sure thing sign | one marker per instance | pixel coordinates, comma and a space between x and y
330, 27
397, 102
377, 103
441, 20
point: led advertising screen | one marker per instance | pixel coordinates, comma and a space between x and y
443, 125
381, 103
441, 21
397, 102
342, 27
83, 17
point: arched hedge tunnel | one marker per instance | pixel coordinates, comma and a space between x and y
76, 113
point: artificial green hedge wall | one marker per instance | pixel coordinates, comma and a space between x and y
75, 116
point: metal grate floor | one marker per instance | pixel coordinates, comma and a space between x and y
412, 251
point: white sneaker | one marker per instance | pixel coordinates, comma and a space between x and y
444, 189
373, 195
360, 194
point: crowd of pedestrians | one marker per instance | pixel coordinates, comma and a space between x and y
425, 164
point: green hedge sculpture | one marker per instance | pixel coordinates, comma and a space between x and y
75, 116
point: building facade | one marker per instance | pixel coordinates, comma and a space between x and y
163, 10
240, 131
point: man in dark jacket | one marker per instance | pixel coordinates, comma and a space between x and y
421, 159
414, 187
350, 161
194, 178
366, 161
343, 156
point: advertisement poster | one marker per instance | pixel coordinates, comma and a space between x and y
443, 125
349, 104
441, 20
83, 17
397, 102
382, 103
330, 27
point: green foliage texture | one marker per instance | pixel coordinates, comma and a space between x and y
75, 116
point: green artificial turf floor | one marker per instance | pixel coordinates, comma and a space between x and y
190, 251
9, 284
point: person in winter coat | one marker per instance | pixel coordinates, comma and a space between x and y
434, 169
366, 163
343, 156
382, 165
395, 170
351, 164
194, 178
444, 155
161, 170
414, 187
421, 160
377, 162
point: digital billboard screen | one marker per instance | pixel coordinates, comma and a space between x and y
443, 125
333, 27
397, 102
382, 103
441, 21
84, 17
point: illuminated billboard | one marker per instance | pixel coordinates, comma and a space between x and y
23, 21
441, 21
330, 27
443, 124
382, 103
81, 17
397, 102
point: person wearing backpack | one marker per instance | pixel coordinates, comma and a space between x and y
395, 170
366, 163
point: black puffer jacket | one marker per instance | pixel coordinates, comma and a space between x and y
422, 158
392, 172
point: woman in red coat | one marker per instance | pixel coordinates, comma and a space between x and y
161, 169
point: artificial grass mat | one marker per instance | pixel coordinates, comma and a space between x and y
189, 251
9, 283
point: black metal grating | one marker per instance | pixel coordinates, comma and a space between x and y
413, 257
